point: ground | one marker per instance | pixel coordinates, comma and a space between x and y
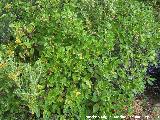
147, 105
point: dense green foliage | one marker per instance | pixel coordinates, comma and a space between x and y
71, 58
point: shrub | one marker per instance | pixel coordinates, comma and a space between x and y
78, 58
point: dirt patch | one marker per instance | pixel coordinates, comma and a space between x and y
147, 106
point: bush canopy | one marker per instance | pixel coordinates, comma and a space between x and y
68, 59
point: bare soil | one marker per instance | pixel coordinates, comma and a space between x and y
147, 105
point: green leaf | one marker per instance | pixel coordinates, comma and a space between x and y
95, 108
